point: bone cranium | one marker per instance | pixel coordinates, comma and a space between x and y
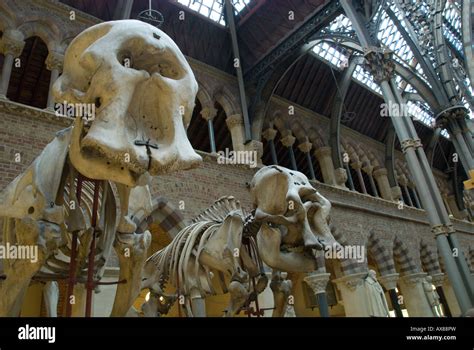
143, 93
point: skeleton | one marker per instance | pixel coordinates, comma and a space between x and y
143, 91
290, 220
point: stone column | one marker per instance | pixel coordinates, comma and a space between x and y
306, 149
369, 169
323, 155
357, 167
414, 295
318, 283
208, 113
390, 284
235, 123
12, 46
269, 135
54, 63
353, 294
288, 142
380, 176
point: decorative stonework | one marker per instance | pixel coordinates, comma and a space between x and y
341, 176
305, 147
234, 120
288, 141
322, 152
15, 108
54, 61
317, 282
351, 282
438, 279
269, 134
389, 281
208, 113
414, 278
12, 43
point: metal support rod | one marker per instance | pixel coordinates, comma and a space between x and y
373, 186
310, 166
212, 139
240, 77
291, 154
323, 304
273, 152
394, 299
444, 302
90, 264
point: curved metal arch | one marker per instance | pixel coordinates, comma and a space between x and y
337, 109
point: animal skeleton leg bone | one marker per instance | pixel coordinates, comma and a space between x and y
281, 291
51, 297
132, 252
19, 272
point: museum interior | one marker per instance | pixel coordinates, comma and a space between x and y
247, 158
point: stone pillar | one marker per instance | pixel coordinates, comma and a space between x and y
306, 149
269, 135
390, 284
12, 46
323, 155
369, 169
357, 167
54, 63
380, 176
353, 294
235, 123
208, 113
318, 283
438, 281
414, 295
288, 142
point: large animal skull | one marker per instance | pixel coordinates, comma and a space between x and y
143, 91
294, 217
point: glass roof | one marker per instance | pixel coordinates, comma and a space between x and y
213, 9
338, 56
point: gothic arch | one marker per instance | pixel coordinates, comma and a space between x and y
226, 100
429, 260
44, 30
380, 255
348, 266
403, 261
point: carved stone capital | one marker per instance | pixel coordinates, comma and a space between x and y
234, 120
12, 43
438, 279
379, 62
305, 147
402, 180
322, 152
351, 282
368, 169
54, 61
317, 282
389, 281
269, 134
442, 229
288, 141
356, 165
380, 172
208, 113
414, 278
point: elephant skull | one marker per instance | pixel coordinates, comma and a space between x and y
143, 92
